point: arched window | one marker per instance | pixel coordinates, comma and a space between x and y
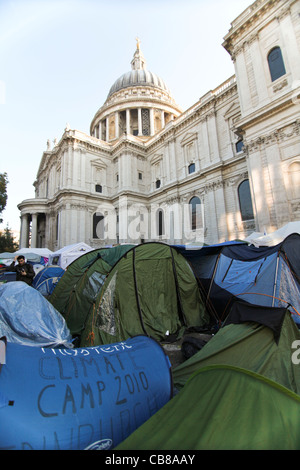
245, 201
98, 225
276, 64
160, 222
195, 213
98, 188
157, 184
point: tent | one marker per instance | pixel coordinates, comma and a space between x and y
271, 239
96, 263
151, 290
253, 337
32, 255
47, 278
44, 252
7, 277
239, 392
27, 318
222, 408
203, 261
267, 276
67, 254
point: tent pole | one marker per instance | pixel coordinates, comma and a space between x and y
275, 281
212, 278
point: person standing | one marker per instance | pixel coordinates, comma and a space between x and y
24, 271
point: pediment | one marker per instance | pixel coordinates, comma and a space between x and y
98, 163
233, 109
156, 158
188, 138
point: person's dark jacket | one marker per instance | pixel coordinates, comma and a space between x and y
17, 268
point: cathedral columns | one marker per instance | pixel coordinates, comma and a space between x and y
151, 121
116, 124
24, 235
140, 129
128, 121
33, 229
107, 129
138, 121
162, 119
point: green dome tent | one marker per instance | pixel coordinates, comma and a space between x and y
253, 337
223, 408
76, 290
61, 294
151, 290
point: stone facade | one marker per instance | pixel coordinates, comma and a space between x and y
226, 167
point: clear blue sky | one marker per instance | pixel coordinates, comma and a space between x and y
59, 58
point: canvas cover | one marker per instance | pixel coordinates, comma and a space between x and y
223, 407
27, 318
151, 290
91, 398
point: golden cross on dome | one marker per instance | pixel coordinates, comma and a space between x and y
138, 42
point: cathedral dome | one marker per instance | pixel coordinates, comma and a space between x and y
139, 103
138, 76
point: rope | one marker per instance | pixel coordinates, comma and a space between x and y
91, 335
91, 338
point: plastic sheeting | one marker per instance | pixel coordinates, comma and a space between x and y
27, 318
85, 398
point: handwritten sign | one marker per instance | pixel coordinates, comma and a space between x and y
77, 398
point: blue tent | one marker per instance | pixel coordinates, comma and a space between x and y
85, 398
266, 276
203, 262
47, 278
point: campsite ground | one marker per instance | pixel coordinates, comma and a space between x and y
174, 350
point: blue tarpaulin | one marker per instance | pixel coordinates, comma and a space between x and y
27, 318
